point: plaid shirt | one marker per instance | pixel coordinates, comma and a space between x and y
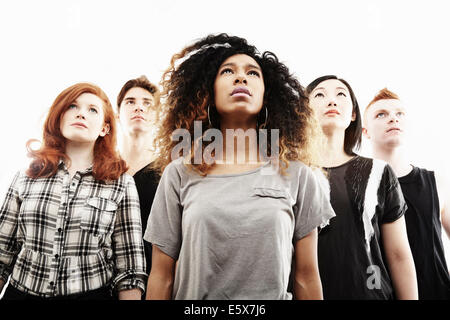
61, 236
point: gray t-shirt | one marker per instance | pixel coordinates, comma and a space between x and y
233, 234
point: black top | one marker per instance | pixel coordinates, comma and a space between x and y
146, 181
365, 194
424, 233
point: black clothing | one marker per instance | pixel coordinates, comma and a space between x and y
146, 181
11, 293
365, 194
424, 233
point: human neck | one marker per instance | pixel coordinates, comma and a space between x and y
137, 151
237, 153
81, 156
394, 157
333, 154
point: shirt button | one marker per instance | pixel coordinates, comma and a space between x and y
56, 256
59, 230
52, 283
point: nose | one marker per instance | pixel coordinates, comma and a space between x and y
139, 108
81, 114
393, 118
240, 79
332, 103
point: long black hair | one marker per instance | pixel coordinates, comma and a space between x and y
353, 133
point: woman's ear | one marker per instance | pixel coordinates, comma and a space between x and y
365, 133
105, 130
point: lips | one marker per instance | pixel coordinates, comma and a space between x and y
240, 91
138, 117
79, 124
332, 111
393, 129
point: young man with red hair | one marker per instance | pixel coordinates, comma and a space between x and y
427, 196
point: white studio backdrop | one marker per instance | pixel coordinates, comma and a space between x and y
47, 46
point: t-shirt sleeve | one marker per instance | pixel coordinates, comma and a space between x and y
394, 202
164, 224
313, 208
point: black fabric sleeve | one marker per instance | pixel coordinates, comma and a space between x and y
394, 202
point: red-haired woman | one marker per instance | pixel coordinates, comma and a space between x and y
70, 225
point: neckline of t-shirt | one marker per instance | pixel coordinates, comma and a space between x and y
410, 177
344, 164
143, 168
239, 173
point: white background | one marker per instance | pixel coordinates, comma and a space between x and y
48, 45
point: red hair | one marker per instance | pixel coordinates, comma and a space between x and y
108, 165
383, 94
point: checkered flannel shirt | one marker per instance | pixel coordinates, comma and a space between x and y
62, 236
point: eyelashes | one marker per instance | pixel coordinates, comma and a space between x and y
74, 106
230, 71
384, 114
321, 95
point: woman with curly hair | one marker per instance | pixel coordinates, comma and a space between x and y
70, 225
231, 227
364, 251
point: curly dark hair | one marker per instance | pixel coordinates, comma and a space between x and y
188, 90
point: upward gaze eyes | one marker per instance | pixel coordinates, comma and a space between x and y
131, 102
380, 115
230, 71
74, 106
321, 95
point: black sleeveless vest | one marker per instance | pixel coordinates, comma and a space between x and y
424, 233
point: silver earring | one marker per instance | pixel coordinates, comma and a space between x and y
263, 125
209, 119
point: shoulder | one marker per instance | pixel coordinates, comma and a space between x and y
126, 178
442, 180
304, 172
176, 167
299, 169
176, 172
376, 164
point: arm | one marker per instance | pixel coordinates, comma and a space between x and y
128, 245
131, 294
399, 259
160, 281
9, 247
307, 285
443, 190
